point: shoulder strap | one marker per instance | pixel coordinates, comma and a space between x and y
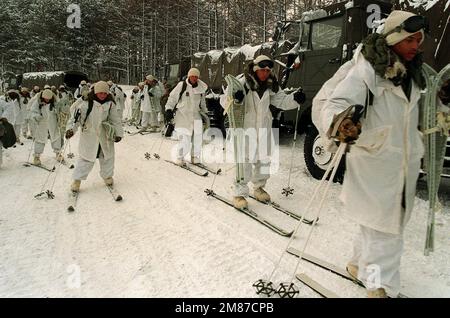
183, 89
90, 106
369, 101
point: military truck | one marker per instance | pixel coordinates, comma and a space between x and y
71, 79
308, 52
326, 41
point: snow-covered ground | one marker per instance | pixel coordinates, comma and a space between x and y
168, 239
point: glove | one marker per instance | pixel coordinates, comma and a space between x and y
444, 93
275, 111
142, 97
169, 115
239, 96
299, 96
150, 94
69, 133
348, 131
117, 139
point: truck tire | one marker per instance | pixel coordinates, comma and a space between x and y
317, 158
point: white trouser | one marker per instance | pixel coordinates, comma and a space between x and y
17, 129
25, 128
39, 147
28, 127
188, 143
377, 255
258, 173
149, 119
84, 167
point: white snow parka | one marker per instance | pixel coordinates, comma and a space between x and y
189, 107
119, 96
258, 114
384, 162
25, 103
151, 103
46, 119
93, 132
13, 109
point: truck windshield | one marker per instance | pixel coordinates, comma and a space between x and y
326, 33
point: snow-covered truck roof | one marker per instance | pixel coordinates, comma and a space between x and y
69, 78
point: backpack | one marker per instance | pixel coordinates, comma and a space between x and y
322, 97
7, 134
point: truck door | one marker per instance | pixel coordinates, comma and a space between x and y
323, 57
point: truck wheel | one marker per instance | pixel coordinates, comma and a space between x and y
317, 158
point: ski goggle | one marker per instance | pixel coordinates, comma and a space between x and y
265, 63
412, 25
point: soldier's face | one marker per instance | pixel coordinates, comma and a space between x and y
101, 96
263, 74
409, 47
193, 79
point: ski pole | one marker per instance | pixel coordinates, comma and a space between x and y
215, 174
148, 155
334, 163
50, 192
70, 155
156, 155
288, 190
339, 155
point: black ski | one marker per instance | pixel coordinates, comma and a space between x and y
329, 267
116, 196
148, 132
251, 214
139, 131
201, 165
28, 164
67, 164
73, 198
278, 207
317, 287
188, 168
133, 133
